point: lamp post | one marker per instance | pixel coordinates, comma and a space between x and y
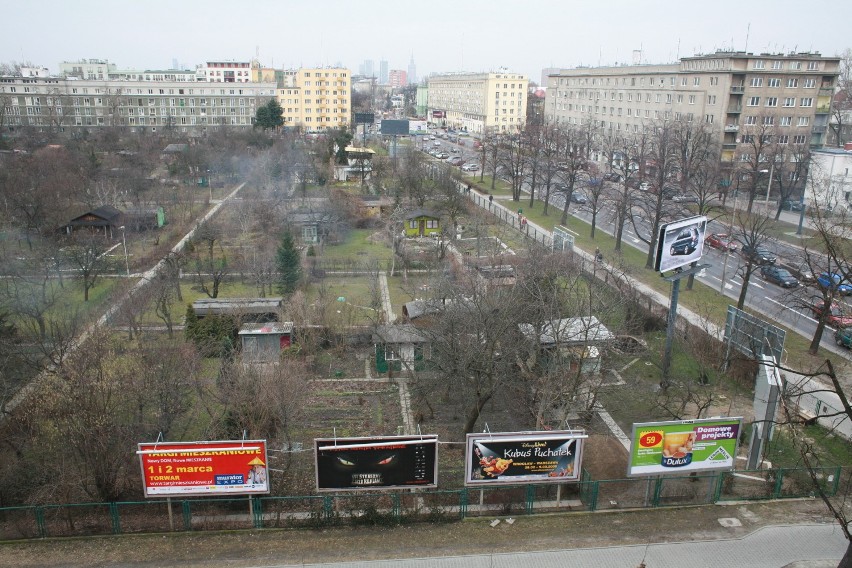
124, 244
769, 185
728, 248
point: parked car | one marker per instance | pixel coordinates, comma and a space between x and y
456, 160
644, 186
471, 167
779, 276
577, 197
843, 337
835, 318
442, 155
721, 241
436, 144
800, 270
834, 281
612, 177
759, 255
455, 151
685, 243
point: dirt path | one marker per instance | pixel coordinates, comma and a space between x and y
473, 536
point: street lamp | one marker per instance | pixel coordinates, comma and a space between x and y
124, 244
771, 171
728, 248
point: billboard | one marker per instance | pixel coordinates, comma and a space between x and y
376, 463
439, 114
680, 243
688, 445
364, 118
394, 127
417, 127
752, 336
204, 468
524, 457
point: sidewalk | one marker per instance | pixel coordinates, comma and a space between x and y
808, 546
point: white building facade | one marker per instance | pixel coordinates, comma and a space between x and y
477, 102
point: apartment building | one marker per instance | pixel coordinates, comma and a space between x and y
225, 72
737, 94
479, 101
315, 99
58, 104
91, 69
397, 78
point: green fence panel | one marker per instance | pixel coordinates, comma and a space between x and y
685, 490
146, 516
115, 518
78, 519
22, 522
186, 509
297, 512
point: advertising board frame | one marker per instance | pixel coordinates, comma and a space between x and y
668, 239
379, 444
479, 473
161, 461
394, 127
706, 440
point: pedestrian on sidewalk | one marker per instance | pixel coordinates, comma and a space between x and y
490, 200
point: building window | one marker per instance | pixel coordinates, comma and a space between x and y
789, 101
757, 81
810, 83
799, 139
692, 99
795, 65
786, 120
683, 81
711, 99
708, 119
759, 64
754, 101
806, 102
747, 139
813, 65
774, 82
772, 101
804, 121
777, 64
792, 83
783, 139
768, 120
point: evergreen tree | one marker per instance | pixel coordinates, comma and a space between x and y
288, 264
269, 115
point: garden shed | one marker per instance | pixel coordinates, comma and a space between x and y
422, 223
104, 220
263, 342
400, 347
245, 309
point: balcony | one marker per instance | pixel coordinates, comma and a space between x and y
732, 128
824, 109
735, 109
826, 91
819, 129
737, 89
729, 146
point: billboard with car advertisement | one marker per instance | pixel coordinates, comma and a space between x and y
204, 468
439, 114
417, 127
376, 463
524, 457
687, 445
680, 243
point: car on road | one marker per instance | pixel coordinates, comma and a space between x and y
442, 155
456, 161
721, 241
470, 167
758, 255
455, 151
644, 186
684, 199
835, 317
436, 144
800, 270
578, 198
779, 276
843, 337
834, 281
685, 243
791, 205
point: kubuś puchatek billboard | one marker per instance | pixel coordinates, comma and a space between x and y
524, 457
204, 468
376, 463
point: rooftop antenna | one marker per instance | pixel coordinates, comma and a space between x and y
677, 58
748, 31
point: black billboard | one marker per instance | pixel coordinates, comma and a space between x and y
376, 463
524, 457
364, 118
395, 127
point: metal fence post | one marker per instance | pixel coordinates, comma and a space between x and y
187, 515
719, 481
327, 508
463, 503
396, 506
530, 500
257, 513
779, 480
40, 524
114, 516
836, 485
658, 489
593, 502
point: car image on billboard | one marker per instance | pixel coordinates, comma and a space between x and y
680, 243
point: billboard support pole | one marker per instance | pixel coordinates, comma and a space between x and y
672, 317
171, 516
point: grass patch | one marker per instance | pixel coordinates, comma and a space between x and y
358, 245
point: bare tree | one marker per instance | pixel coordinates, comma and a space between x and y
841, 110
208, 258
758, 160
87, 256
792, 164
752, 232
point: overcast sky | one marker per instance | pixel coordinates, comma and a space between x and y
459, 35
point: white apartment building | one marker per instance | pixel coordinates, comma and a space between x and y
57, 104
91, 69
736, 93
225, 72
316, 99
830, 178
479, 101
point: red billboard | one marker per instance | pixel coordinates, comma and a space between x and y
204, 468
439, 114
